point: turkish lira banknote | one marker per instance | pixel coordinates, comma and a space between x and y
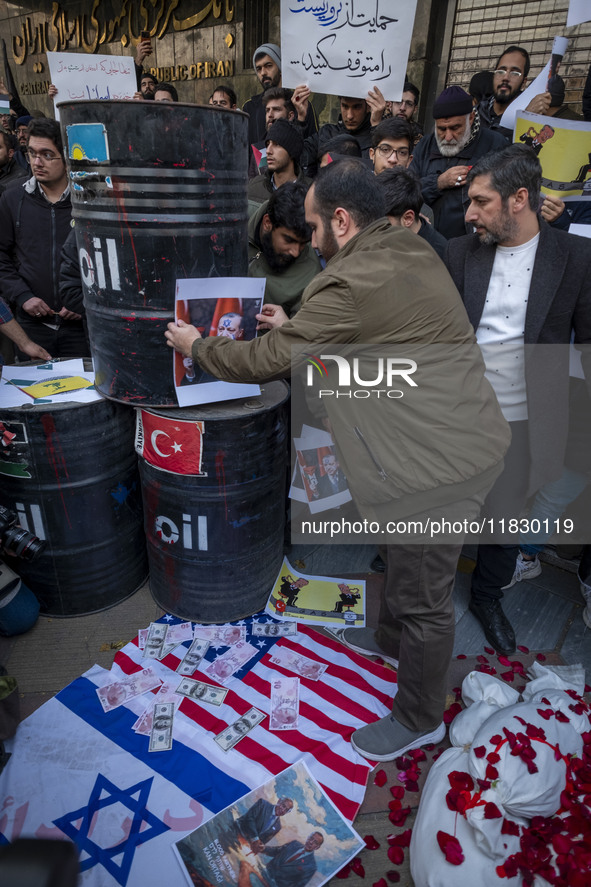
285, 703
116, 693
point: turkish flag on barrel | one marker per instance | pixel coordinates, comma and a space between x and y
175, 445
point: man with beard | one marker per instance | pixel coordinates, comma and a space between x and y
279, 247
523, 283
509, 79
406, 107
443, 159
266, 62
384, 286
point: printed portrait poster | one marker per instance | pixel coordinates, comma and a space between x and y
224, 307
563, 148
320, 600
347, 48
317, 477
249, 845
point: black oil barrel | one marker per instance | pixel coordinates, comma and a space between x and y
159, 194
70, 475
215, 541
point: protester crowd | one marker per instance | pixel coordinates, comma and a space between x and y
386, 208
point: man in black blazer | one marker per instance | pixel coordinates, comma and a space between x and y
262, 822
523, 284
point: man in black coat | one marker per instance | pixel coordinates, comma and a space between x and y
35, 220
262, 822
523, 283
443, 159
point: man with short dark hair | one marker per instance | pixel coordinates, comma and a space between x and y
355, 120
384, 286
523, 283
279, 247
338, 147
277, 105
509, 79
405, 110
10, 171
148, 84
391, 144
166, 92
223, 96
266, 62
443, 159
402, 193
34, 223
284, 145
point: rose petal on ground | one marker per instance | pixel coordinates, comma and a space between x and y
392, 876
380, 778
523, 649
396, 855
370, 842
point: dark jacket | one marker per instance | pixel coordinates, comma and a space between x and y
450, 205
260, 187
387, 287
490, 120
433, 238
70, 280
257, 126
559, 301
283, 288
313, 144
32, 233
11, 173
260, 821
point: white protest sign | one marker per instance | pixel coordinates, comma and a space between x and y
537, 86
348, 47
579, 11
80, 75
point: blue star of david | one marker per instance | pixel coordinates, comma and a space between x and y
105, 856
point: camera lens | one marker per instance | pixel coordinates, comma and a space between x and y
23, 544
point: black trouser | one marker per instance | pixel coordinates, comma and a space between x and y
68, 340
495, 563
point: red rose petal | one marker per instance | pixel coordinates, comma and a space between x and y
396, 855
400, 840
509, 827
508, 676
489, 650
450, 847
454, 709
394, 877
412, 786
493, 758
344, 872
540, 657
523, 649
381, 883
397, 791
370, 842
461, 656
357, 867
399, 817
395, 805
496, 739
480, 751
504, 661
482, 659
491, 811
491, 772
380, 778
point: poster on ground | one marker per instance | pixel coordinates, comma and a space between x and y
320, 600
287, 832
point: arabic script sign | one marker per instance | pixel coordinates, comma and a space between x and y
346, 47
79, 75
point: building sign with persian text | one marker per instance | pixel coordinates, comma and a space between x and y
98, 25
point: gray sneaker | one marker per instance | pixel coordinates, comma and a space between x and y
387, 738
363, 641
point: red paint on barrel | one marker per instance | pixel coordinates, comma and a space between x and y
55, 457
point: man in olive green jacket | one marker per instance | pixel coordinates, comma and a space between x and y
279, 247
433, 453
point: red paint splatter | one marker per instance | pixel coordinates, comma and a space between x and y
55, 456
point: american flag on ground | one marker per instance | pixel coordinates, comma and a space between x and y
79, 772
